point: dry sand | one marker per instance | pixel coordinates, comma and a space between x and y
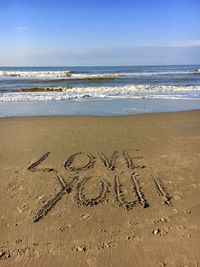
138, 221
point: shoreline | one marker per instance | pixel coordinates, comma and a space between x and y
101, 116
104, 107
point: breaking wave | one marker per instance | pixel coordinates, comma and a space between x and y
72, 75
78, 93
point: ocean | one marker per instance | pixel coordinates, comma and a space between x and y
98, 90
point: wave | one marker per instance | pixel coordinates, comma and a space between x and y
71, 75
34, 74
45, 89
197, 71
78, 93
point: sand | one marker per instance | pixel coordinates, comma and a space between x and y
131, 198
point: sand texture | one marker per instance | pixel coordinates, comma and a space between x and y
107, 191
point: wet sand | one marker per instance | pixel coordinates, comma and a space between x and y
112, 191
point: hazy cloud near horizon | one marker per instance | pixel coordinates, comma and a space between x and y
106, 56
190, 43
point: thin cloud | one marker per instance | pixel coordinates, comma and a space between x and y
22, 28
188, 43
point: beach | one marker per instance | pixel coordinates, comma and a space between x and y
100, 191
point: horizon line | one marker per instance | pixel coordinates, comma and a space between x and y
74, 66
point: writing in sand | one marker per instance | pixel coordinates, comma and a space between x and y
80, 183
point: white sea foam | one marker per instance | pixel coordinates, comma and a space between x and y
128, 91
197, 71
34, 74
47, 75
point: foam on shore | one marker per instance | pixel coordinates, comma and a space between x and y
129, 91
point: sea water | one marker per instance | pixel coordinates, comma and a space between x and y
98, 90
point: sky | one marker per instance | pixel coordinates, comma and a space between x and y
106, 32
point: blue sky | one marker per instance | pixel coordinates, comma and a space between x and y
127, 32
